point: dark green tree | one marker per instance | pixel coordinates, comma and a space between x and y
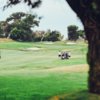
73, 32
21, 25
53, 36
15, 16
81, 34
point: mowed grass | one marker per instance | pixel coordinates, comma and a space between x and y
40, 74
15, 55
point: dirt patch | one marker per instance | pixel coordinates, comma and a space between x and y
32, 49
74, 68
67, 69
5, 40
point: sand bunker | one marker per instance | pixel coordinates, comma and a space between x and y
34, 48
48, 42
70, 43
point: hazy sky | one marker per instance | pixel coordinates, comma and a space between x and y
57, 15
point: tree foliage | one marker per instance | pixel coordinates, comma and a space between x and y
32, 3
18, 26
73, 32
53, 36
81, 34
47, 36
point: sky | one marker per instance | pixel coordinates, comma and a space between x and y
56, 15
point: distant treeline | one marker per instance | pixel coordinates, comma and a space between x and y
20, 27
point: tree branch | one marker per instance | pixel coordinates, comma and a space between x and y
32, 3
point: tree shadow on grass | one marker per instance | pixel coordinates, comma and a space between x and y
39, 97
81, 95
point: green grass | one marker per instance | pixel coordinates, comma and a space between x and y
41, 86
26, 75
15, 56
15, 59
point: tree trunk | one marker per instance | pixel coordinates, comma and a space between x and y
89, 13
93, 55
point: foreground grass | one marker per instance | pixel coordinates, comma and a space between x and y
38, 75
40, 86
